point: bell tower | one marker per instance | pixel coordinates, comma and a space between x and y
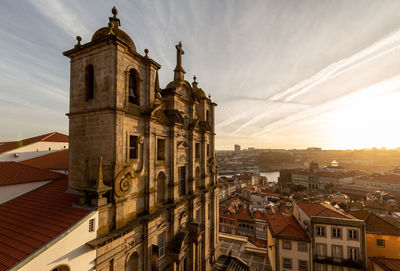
110, 85
143, 156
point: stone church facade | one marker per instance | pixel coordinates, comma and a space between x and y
143, 155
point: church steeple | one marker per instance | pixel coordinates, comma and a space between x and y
179, 71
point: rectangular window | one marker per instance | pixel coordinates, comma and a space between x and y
380, 243
337, 252
198, 215
303, 265
302, 246
321, 249
182, 180
208, 150
321, 231
160, 244
353, 235
91, 225
133, 147
287, 245
197, 151
336, 233
287, 263
353, 253
160, 149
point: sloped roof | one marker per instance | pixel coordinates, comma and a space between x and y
375, 224
17, 173
322, 210
285, 226
387, 264
55, 160
50, 137
32, 220
244, 214
259, 215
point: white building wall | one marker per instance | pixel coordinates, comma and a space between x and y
33, 150
69, 250
9, 192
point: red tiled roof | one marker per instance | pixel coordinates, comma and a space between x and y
375, 224
55, 160
286, 227
259, 215
244, 214
50, 137
387, 264
321, 209
30, 221
17, 173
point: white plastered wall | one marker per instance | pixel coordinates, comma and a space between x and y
69, 249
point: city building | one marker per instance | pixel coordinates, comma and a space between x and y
237, 148
383, 238
33, 147
43, 230
142, 156
17, 179
337, 238
289, 246
320, 179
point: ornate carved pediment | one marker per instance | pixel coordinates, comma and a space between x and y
174, 116
204, 126
182, 145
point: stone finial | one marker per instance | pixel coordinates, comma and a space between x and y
111, 27
209, 96
114, 11
78, 38
194, 84
114, 20
146, 51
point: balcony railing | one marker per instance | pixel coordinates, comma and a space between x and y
339, 261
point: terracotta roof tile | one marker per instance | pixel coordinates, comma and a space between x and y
244, 214
259, 215
50, 137
17, 173
375, 224
387, 264
321, 209
55, 160
286, 227
33, 219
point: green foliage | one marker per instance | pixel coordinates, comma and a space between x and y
266, 158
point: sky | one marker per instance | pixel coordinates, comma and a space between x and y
285, 74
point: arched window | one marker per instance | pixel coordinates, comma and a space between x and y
133, 262
133, 87
62, 267
208, 117
160, 187
89, 83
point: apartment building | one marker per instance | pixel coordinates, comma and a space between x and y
337, 238
289, 246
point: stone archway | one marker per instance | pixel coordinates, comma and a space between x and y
132, 264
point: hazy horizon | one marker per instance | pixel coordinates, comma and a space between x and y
285, 74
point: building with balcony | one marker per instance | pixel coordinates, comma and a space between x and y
337, 238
